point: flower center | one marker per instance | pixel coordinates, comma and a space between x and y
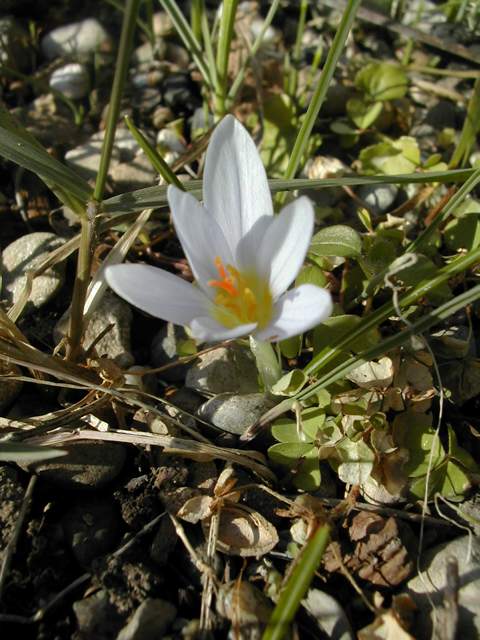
241, 298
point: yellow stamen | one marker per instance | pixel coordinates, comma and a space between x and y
242, 297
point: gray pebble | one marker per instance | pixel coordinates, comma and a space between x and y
234, 413
115, 344
224, 370
150, 620
96, 616
26, 254
379, 197
87, 465
431, 588
164, 349
136, 174
71, 80
78, 39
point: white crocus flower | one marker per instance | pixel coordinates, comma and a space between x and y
243, 257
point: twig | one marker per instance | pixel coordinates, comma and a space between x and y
12, 543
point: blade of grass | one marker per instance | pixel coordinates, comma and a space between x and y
297, 49
297, 584
18, 146
152, 197
398, 339
471, 127
155, 158
320, 92
188, 37
229, 9
237, 83
89, 222
447, 211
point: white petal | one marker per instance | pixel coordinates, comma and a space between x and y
285, 245
248, 249
235, 186
158, 292
297, 311
201, 237
207, 329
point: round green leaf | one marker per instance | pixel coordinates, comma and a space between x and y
337, 240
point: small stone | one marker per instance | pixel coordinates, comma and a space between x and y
201, 122
150, 620
26, 254
235, 413
328, 614
115, 344
161, 116
77, 39
9, 388
88, 465
162, 24
430, 589
146, 53
270, 36
91, 529
319, 168
379, 198
72, 80
224, 370
178, 55
86, 157
136, 174
169, 140
96, 616
164, 350
147, 79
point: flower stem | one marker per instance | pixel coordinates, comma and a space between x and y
223, 52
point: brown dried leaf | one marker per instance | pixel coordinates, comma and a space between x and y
243, 532
195, 509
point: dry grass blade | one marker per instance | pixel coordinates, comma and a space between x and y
199, 451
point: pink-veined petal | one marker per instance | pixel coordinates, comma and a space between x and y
285, 245
206, 329
297, 311
201, 237
158, 292
235, 185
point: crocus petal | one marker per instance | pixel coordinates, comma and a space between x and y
158, 292
201, 238
235, 185
285, 245
207, 329
297, 311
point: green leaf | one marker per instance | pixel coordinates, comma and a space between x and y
17, 145
291, 347
289, 453
414, 432
382, 81
267, 362
311, 274
356, 461
337, 240
285, 430
14, 452
398, 156
363, 113
462, 233
290, 383
333, 329
308, 476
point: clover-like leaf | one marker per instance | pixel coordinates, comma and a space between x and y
337, 240
382, 81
